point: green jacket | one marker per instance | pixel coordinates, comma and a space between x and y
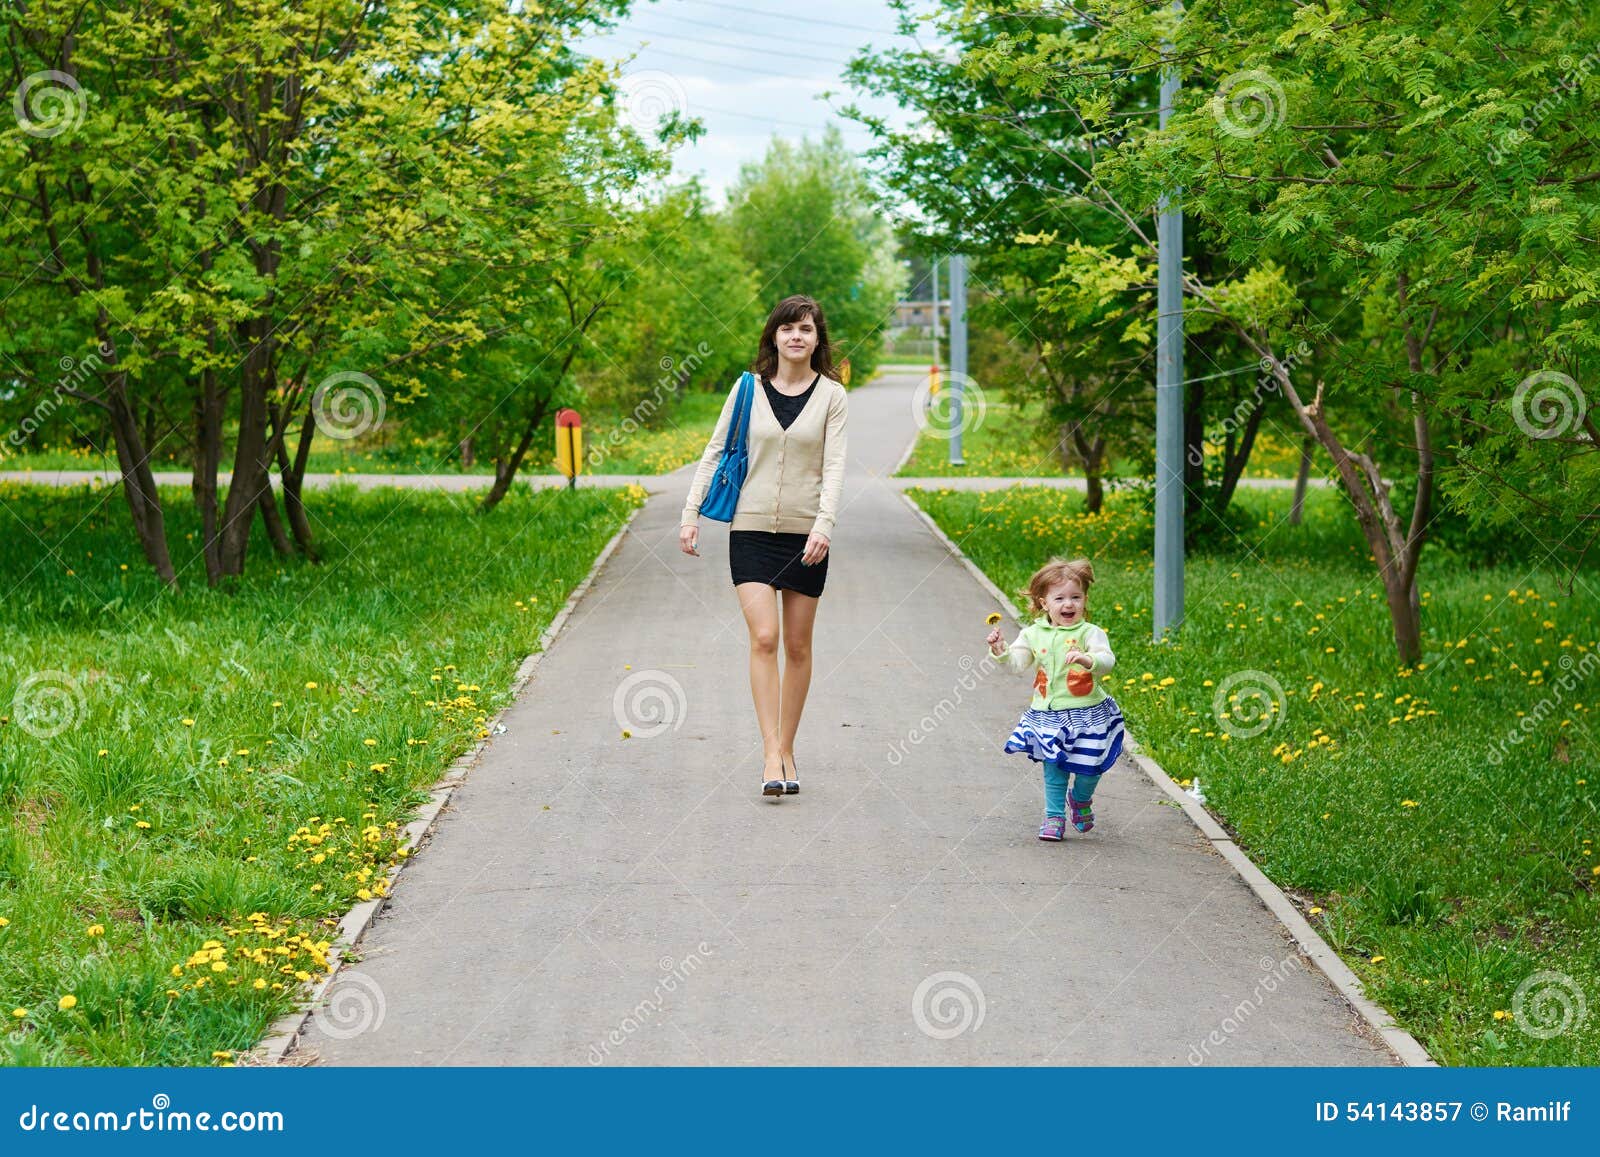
1040, 650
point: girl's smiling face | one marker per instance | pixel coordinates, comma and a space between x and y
796, 340
1064, 603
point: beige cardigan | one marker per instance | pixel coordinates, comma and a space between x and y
795, 475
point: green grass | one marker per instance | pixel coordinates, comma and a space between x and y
1370, 791
617, 445
304, 714
1003, 440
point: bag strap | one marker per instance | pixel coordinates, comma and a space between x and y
741, 416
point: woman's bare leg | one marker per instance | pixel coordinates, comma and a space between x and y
760, 605
799, 616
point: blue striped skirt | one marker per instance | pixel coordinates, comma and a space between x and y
1082, 739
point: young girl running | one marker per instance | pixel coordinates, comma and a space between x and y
1072, 724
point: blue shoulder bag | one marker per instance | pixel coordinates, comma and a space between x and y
722, 495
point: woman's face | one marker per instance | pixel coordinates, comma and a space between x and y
796, 340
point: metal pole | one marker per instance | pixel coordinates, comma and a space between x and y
1168, 611
958, 351
933, 330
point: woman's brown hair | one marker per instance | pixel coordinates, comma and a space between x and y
1059, 570
794, 309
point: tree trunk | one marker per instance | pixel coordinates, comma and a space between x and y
139, 484
505, 469
1194, 441
1301, 480
1092, 454
267, 504
207, 458
249, 465
1234, 461
293, 475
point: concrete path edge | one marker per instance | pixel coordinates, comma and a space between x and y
1406, 1047
284, 1033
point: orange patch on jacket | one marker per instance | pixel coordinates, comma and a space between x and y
1079, 681
1041, 682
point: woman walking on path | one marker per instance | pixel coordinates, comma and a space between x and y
778, 538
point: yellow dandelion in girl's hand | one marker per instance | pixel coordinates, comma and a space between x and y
66, 1002
992, 618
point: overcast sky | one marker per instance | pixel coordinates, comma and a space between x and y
748, 71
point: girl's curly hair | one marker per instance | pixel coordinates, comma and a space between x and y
1058, 570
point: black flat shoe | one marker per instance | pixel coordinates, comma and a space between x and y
792, 786
772, 787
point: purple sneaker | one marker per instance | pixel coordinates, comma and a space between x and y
1053, 828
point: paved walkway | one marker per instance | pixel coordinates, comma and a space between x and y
590, 899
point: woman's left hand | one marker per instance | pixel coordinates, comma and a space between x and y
816, 547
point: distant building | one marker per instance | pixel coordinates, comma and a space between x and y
919, 315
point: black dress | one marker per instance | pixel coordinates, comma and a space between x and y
771, 557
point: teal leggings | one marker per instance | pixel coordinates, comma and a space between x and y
1055, 788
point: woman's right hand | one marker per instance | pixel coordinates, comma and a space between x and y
689, 538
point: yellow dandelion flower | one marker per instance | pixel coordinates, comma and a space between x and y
1408, 803
19, 1013
66, 1002
1315, 909
188, 722
311, 686
992, 618
95, 930
1377, 959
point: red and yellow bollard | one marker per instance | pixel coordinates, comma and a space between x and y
569, 444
